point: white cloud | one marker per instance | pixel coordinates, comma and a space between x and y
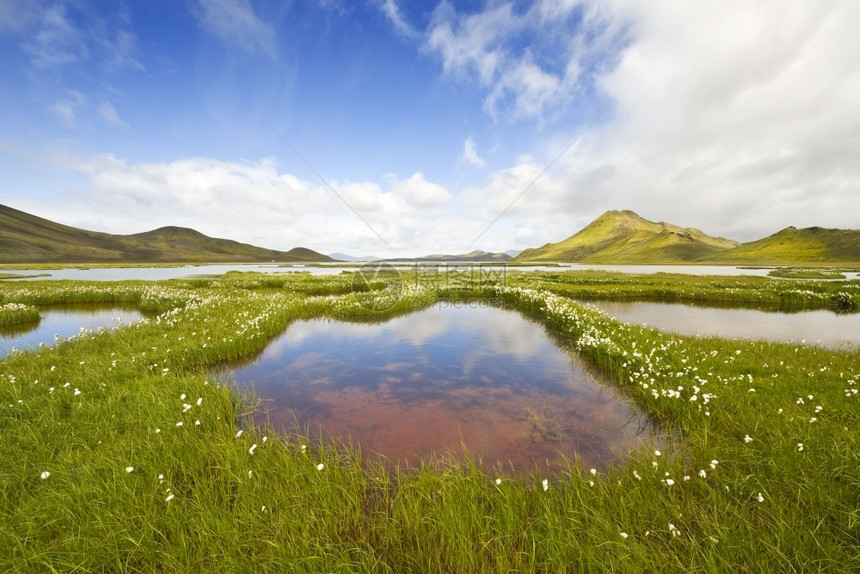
108, 112
467, 43
736, 117
420, 193
530, 62
58, 40
470, 154
123, 51
18, 15
252, 201
392, 12
234, 22
66, 108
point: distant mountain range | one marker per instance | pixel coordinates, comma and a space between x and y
25, 238
477, 255
624, 237
352, 258
614, 237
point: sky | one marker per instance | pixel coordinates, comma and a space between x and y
402, 128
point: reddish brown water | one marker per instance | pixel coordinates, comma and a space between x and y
444, 381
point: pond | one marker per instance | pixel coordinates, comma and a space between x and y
61, 323
824, 328
442, 381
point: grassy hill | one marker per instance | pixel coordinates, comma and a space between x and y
812, 245
624, 237
25, 238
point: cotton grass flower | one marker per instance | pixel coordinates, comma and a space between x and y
129, 469
169, 497
623, 535
545, 484
45, 474
759, 498
253, 447
320, 466
747, 439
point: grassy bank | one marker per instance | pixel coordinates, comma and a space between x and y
740, 291
120, 454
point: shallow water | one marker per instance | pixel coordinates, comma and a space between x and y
441, 381
824, 328
62, 323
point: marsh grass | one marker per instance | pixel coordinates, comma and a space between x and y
806, 273
740, 291
765, 474
13, 314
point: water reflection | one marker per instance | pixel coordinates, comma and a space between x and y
439, 381
823, 328
62, 323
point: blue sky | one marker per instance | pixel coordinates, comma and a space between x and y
420, 123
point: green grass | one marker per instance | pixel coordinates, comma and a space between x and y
736, 291
201, 498
805, 273
18, 314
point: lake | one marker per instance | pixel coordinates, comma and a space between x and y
191, 271
62, 323
445, 380
824, 328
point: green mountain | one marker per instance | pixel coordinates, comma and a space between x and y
791, 246
624, 237
25, 238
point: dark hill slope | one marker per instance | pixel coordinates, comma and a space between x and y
26, 238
